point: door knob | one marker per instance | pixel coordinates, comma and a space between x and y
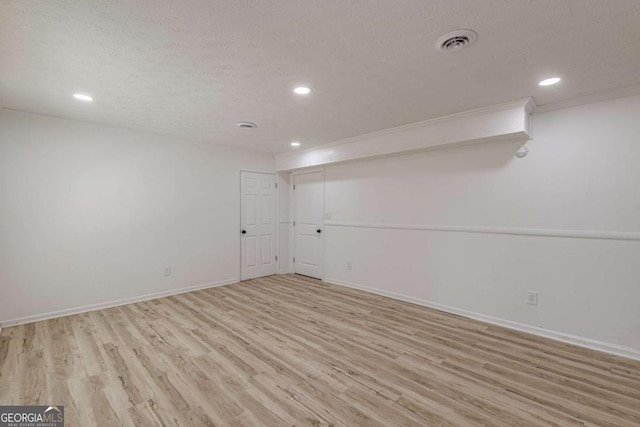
244, 231
318, 231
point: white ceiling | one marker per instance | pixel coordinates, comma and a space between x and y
194, 68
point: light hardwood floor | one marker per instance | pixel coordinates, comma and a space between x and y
288, 350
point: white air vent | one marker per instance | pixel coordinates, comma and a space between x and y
246, 125
456, 40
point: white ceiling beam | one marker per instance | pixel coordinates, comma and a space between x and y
508, 121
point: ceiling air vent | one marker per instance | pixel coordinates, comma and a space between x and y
246, 125
456, 40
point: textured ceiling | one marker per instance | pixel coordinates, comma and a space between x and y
194, 68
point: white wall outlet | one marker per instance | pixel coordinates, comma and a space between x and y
327, 216
349, 265
532, 298
167, 271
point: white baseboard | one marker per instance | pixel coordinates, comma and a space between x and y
554, 335
110, 304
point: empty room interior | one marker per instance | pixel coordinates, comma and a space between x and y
324, 213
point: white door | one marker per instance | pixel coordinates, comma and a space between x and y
308, 225
258, 225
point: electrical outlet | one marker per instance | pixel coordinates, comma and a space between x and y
532, 298
327, 216
349, 265
167, 271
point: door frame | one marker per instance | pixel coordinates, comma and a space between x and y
275, 174
292, 201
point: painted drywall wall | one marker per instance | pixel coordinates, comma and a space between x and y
473, 229
93, 214
285, 237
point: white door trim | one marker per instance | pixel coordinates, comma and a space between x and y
277, 250
292, 202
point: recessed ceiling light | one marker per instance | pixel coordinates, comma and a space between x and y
550, 81
82, 97
302, 90
246, 125
295, 144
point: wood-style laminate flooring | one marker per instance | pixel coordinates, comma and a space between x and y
288, 350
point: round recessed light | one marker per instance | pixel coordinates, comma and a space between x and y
550, 81
295, 144
246, 125
82, 97
302, 90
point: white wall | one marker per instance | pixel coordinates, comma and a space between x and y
582, 174
285, 237
92, 214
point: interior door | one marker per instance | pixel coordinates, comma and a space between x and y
258, 225
308, 224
